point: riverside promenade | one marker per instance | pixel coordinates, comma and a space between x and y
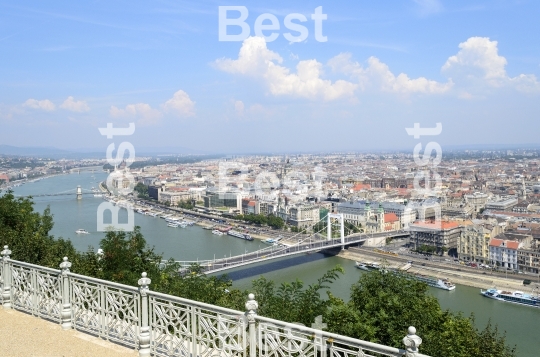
24, 335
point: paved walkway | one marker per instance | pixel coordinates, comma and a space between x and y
23, 335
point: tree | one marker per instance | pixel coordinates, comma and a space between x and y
383, 304
275, 222
27, 233
125, 256
142, 190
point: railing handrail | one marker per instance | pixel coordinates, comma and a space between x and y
34, 266
203, 305
104, 282
95, 310
329, 335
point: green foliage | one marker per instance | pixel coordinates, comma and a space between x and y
27, 233
142, 190
126, 256
291, 301
380, 309
383, 305
275, 222
260, 219
187, 204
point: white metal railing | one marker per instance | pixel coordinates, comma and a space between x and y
158, 324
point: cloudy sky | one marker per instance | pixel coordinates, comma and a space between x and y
353, 81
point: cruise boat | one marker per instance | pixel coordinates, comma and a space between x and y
439, 283
516, 297
81, 231
368, 266
239, 235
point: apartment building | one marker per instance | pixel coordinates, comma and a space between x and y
473, 244
439, 234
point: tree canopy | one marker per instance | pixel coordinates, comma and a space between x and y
380, 308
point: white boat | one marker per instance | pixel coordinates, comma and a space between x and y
439, 283
368, 266
270, 241
81, 231
173, 225
240, 235
216, 232
516, 297
98, 195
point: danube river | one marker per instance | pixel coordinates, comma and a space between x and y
192, 243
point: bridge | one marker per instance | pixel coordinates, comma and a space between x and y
308, 245
77, 192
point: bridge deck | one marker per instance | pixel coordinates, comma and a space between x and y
306, 246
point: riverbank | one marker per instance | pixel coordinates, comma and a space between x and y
457, 274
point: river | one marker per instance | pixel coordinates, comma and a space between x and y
193, 243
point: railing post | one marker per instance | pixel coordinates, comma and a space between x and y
6, 278
144, 334
411, 342
251, 307
66, 303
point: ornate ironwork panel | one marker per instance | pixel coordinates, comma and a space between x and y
284, 340
111, 313
180, 329
36, 291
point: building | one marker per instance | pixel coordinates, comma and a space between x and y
439, 234
529, 259
391, 222
502, 204
356, 213
406, 214
477, 201
173, 197
503, 253
250, 206
223, 199
303, 215
473, 244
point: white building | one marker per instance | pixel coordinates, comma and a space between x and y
504, 253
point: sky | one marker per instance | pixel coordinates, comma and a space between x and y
351, 77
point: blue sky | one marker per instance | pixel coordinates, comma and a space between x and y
70, 67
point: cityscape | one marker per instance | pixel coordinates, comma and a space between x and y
203, 179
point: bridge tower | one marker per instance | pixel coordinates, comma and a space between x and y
339, 217
79, 192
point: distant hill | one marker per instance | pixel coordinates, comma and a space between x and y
55, 153
31, 151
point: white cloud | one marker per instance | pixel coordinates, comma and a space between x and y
478, 60
142, 111
378, 75
75, 105
45, 104
256, 60
180, 104
239, 107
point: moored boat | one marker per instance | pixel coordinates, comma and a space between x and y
82, 231
516, 297
368, 266
239, 235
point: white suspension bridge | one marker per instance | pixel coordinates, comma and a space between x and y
310, 244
